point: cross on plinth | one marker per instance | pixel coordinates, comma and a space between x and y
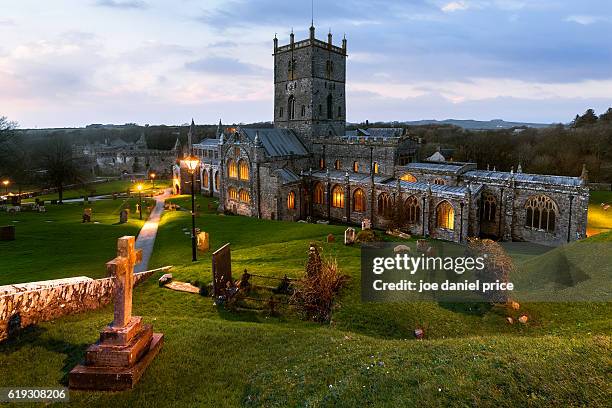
122, 270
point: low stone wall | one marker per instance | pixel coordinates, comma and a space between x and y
25, 304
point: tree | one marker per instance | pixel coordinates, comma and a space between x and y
606, 117
60, 166
588, 118
14, 157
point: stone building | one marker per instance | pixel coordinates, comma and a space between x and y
308, 167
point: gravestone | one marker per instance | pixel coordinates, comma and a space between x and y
222, 269
331, 238
366, 224
126, 347
87, 215
123, 216
203, 241
349, 236
7, 233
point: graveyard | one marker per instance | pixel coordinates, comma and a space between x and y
367, 353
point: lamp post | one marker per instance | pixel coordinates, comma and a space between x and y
192, 163
139, 188
6, 184
152, 176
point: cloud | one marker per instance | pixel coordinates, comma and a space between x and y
123, 4
454, 6
224, 66
586, 19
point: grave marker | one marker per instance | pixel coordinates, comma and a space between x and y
222, 269
349, 236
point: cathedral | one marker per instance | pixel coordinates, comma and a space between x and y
308, 167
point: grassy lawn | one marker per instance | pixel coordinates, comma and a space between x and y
367, 356
56, 244
110, 187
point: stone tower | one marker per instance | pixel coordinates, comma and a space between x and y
309, 87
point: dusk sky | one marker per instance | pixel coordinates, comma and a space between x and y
75, 62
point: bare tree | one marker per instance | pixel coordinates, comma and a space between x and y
61, 166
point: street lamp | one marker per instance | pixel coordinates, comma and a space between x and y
152, 176
6, 184
192, 163
139, 188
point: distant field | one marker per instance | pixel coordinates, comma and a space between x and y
117, 186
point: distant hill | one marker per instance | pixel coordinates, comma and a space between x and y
477, 124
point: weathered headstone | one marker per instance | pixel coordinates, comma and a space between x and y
7, 233
222, 269
87, 215
331, 238
349, 236
123, 216
366, 224
203, 241
126, 347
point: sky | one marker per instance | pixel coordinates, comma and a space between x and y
69, 63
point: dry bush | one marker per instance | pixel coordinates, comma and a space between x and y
366, 236
314, 294
498, 265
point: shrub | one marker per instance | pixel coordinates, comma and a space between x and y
366, 236
498, 265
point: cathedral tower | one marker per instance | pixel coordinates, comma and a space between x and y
309, 87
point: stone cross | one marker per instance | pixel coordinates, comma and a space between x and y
122, 270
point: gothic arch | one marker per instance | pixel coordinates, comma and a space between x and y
541, 213
359, 201
445, 215
412, 208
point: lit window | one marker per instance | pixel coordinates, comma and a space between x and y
446, 215
338, 197
439, 182
321, 163
291, 201
205, 179
244, 170
338, 165
540, 213
233, 193
375, 167
409, 178
244, 196
356, 166
217, 180
232, 170
318, 193
359, 200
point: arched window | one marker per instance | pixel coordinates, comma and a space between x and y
489, 206
409, 178
541, 212
291, 201
291, 107
375, 167
446, 215
233, 193
356, 166
339, 112
338, 165
384, 205
232, 170
318, 193
205, 180
330, 107
338, 197
303, 110
413, 210
321, 163
280, 112
217, 180
245, 197
359, 200
244, 170
439, 182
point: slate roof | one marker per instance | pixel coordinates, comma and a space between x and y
446, 167
287, 176
435, 188
207, 143
524, 177
277, 142
340, 175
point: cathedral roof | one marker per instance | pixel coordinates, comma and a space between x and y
287, 176
277, 142
437, 167
524, 177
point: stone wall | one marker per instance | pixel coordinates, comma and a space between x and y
22, 305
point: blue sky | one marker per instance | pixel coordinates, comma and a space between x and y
75, 62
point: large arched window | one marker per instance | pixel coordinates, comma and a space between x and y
359, 204
330, 107
291, 107
217, 180
232, 169
489, 206
384, 205
445, 215
205, 180
409, 178
338, 197
233, 193
413, 210
318, 193
244, 195
541, 212
243, 167
291, 201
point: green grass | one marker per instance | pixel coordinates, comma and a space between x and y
56, 244
110, 187
366, 356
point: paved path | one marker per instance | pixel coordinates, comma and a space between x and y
146, 237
